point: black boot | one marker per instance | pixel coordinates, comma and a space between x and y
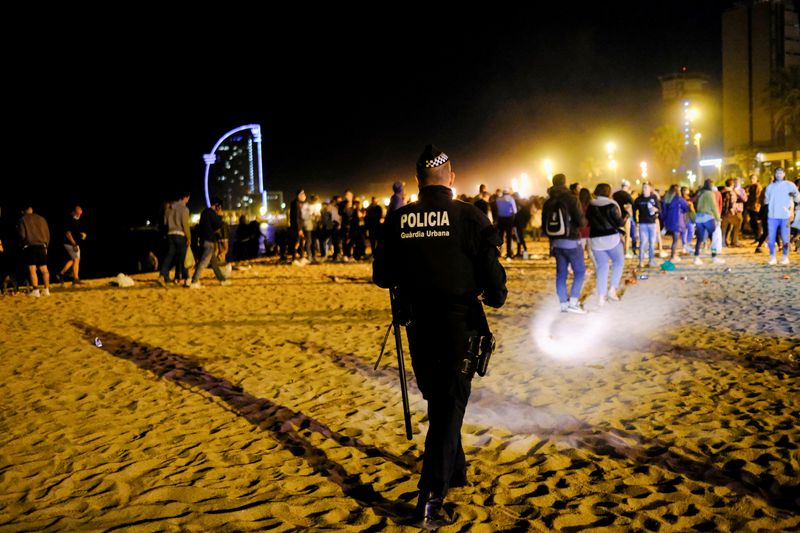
434, 515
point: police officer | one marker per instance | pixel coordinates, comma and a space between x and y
440, 255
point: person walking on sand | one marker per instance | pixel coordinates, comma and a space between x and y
74, 237
562, 219
707, 220
210, 227
34, 234
605, 227
780, 196
442, 276
675, 212
506, 211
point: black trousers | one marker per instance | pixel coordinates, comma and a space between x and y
438, 338
506, 227
753, 218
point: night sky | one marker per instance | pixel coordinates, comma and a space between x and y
129, 109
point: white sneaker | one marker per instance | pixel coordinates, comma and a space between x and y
195, 285
629, 255
34, 293
508, 259
612, 295
676, 259
601, 301
698, 261
224, 283
297, 263
784, 260
718, 261
772, 260
576, 309
46, 292
564, 307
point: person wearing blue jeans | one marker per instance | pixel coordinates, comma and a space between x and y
565, 241
617, 258
779, 197
565, 258
706, 221
646, 209
605, 225
647, 242
774, 226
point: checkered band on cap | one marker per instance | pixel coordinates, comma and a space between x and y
439, 160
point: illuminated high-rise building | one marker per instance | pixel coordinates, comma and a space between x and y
759, 39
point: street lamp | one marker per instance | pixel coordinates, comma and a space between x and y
643, 168
613, 166
611, 147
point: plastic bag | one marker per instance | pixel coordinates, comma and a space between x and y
716, 239
189, 262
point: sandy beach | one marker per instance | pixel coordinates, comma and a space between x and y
255, 406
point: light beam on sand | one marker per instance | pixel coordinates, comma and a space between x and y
568, 337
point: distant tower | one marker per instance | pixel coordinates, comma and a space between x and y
234, 170
689, 106
758, 39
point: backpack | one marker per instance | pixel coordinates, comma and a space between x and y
555, 220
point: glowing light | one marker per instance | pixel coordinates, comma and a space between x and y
692, 114
195, 218
612, 164
387, 201
611, 147
262, 210
697, 137
710, 162
554, 334
514, 184
283, 205
524, 185
454, 191
548, 169
413, 197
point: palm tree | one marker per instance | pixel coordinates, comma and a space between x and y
783, 93
667, 143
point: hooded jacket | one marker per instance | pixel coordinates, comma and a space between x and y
604, 216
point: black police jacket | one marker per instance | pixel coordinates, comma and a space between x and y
440, 246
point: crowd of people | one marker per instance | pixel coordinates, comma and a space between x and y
607, 227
